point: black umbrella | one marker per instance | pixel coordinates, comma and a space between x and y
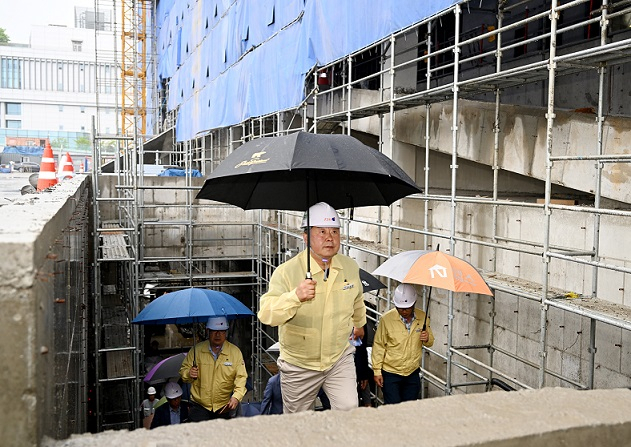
295, 171
369, 282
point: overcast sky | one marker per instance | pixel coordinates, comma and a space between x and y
17, 16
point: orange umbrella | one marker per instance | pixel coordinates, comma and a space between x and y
434, 269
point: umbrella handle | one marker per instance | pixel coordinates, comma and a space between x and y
308, 275
194, 343
428, 297
427, 309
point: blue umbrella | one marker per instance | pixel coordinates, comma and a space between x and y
192, 306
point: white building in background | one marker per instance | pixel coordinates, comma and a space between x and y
49, 88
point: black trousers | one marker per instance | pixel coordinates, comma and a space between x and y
397, 389
197, 413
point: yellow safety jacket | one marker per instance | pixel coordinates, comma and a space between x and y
396, 350
219, 379
314, 334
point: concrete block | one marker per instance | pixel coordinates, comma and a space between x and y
505, 339
615, 239
554, 362
506, 308
529, 319
604, 378
571, 368
610, 285
625, 354
529, 350
555, 328
570, 277
462, 324
572, 334
480, 306
608, 346
479, 332
508, 263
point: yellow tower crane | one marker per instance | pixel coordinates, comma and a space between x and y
135, 17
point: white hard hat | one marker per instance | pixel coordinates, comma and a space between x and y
404, 296
172, 390
151, 390
321, 215
217, 324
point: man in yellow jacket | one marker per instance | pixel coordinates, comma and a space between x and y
316, 317
398, 346
216, 369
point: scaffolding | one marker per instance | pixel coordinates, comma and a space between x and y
496, 64
455, 63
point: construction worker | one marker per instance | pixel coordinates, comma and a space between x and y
173, 412
147, 407
398, 346
216, 370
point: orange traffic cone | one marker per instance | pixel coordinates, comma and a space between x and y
47, 177
66, 170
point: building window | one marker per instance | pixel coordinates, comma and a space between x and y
61, 127
14, 124
61, 108
76, 45
13, 108
82, 128
10, 73
82, 108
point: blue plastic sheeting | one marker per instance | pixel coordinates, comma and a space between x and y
230, 60
35, 151
172, 172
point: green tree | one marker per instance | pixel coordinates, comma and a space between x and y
4, 38
59, 143
82, 143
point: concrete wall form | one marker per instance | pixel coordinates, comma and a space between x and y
45, 295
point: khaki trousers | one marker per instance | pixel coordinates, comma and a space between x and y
300, 386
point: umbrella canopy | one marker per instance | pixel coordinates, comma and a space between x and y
369, 282
295, 171
435, 269
166, 369
191, 306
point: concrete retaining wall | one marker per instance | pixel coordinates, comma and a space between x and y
41, 362
547, 417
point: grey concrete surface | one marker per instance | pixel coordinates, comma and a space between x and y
29, 226
546, 417
11, 185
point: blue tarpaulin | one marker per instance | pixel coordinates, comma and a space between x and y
230, 60
35, 151
172, 172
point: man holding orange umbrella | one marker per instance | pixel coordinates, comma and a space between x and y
398, 346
